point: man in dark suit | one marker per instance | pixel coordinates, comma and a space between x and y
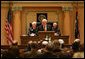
44, 26
13, 51
76, 45
55, 28
33, 30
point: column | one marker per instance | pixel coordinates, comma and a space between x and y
17, 24
81, 23
67, 22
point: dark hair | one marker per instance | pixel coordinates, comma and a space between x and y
16, 43
34, 45
76, 46
56, 44
50, 47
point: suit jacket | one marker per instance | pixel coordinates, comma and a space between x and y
56, 30
31, 54
41, 28
75, 46
31, 30
13, 52
46, 55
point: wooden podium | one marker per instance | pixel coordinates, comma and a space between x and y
41, 35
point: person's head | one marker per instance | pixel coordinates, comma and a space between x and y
14, 42
61, 41
54, 25
50, 47
28, 44
34, 41
76, 45
56, 43
34, 24
44, 43
34, 45
77, 41
44, 22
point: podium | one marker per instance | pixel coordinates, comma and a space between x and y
42, 34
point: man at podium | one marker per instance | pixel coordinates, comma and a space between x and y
44, 26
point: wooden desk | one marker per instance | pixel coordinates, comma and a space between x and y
25, 39
41, 35
65, 38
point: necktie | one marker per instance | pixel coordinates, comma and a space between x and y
44, 28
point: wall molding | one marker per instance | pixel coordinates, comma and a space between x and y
67, 8
42, 2
17, 8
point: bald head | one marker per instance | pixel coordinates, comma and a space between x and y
44, 22
54, 25
77, 40
14, 42
34, 24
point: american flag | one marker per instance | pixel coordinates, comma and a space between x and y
8, 28
77, 34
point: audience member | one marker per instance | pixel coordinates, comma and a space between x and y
79, 54
48, 52
61, 41
13, 51
56, 43
76, 45
4, 53
28, 47
34, 51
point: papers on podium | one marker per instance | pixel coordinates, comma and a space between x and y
32, 34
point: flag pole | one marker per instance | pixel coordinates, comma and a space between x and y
78, 22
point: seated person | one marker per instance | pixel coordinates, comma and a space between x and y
55, 28
28, 46
79, 54
61, 41
47, 52
13, 51
44, 26
33, 30
76, 45
34, 51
